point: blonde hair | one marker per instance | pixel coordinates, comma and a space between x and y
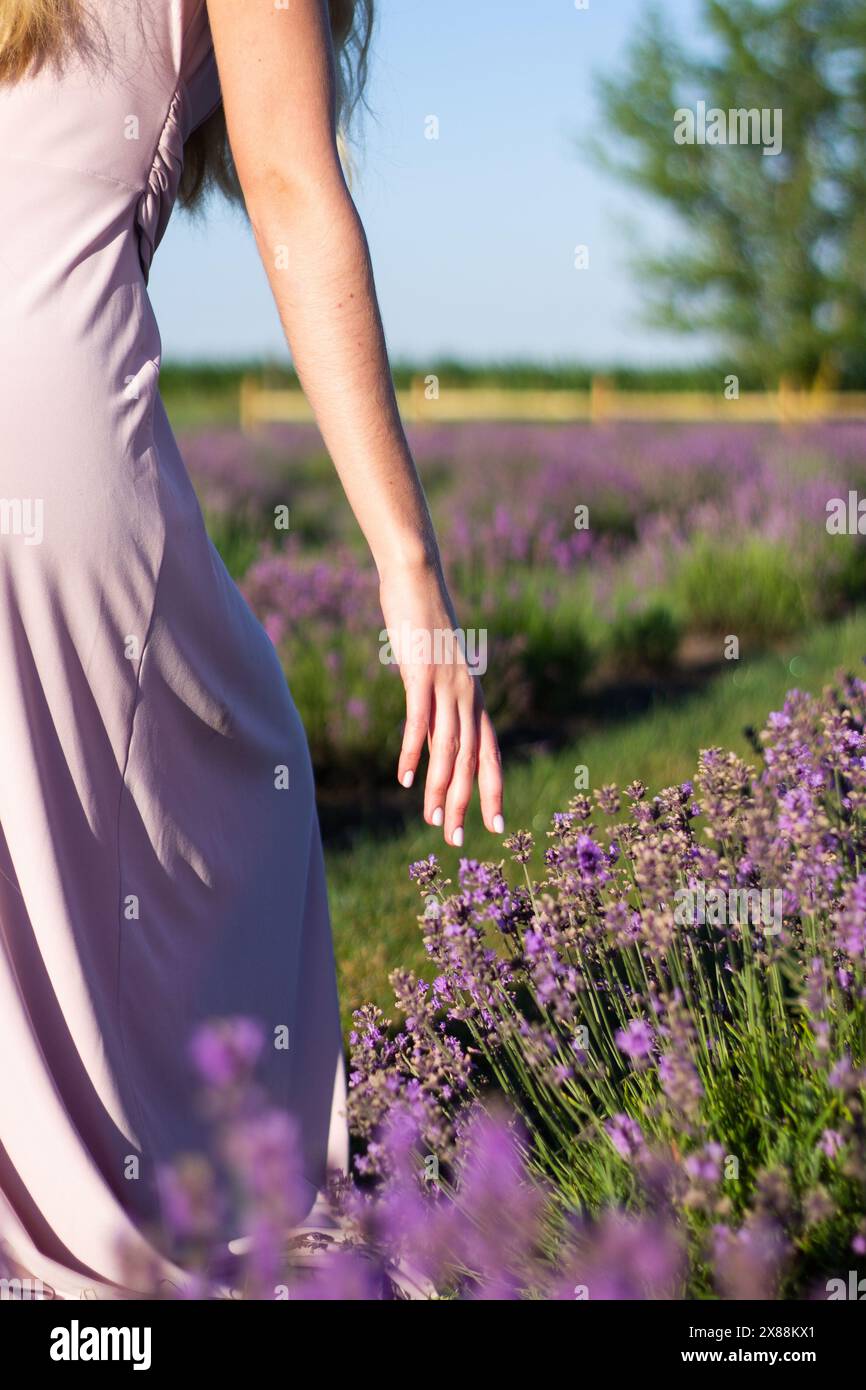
35, 32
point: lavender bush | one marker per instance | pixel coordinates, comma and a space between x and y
677, 1046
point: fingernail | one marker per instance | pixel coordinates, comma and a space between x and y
457, 837
498, 825
408, 778
438, 816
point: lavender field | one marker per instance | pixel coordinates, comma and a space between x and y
619, 1053
586, 556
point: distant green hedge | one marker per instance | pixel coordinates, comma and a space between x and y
215, 378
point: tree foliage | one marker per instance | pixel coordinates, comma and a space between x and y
770, 255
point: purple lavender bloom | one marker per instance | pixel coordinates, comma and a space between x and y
705, 1165
625, 1134
226, 1052
749, 1262
624, 1258
636, 1039
191, 1204
343, 1276
832, 1143
590, 856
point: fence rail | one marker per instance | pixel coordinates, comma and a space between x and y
423, 403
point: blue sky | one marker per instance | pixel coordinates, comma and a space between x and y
473, 234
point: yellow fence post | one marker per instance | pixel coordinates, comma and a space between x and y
247, 403
600, 399
417, 399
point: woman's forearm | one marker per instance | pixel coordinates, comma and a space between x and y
313, 245
278, 83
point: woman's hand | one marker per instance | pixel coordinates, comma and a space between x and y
444, 703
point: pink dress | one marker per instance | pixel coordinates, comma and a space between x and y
155, 868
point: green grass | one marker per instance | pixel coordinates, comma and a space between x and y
374, 906
750, 589
190, 408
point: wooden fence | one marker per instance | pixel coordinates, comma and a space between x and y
425, 402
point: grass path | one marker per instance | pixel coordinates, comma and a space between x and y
374, 906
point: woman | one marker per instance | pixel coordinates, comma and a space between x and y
160, 861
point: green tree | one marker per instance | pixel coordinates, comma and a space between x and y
770, 255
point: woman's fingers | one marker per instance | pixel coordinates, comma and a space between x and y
444, 746
462, 746
490, 776
463, 774
419, 700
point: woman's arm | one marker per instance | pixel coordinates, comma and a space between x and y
277, 74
